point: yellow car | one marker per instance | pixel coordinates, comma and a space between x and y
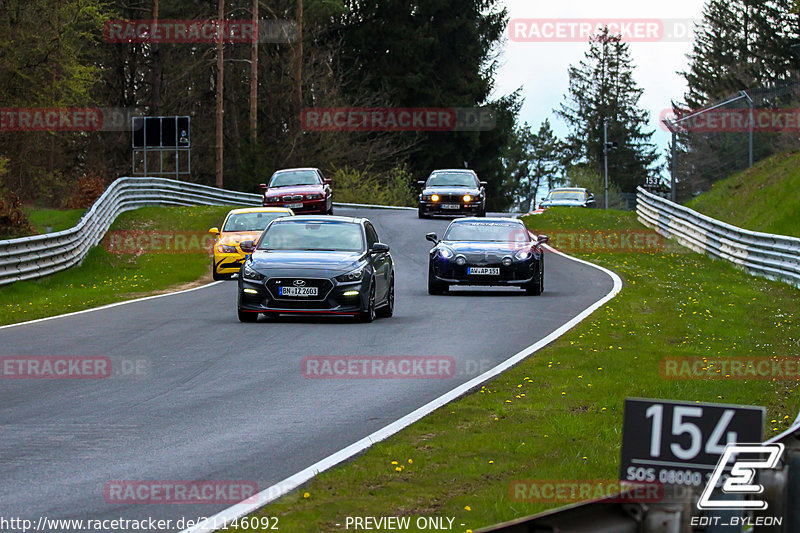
240, 225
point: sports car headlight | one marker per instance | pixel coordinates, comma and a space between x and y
446, 253
225, 249
249, 273
274, 199
313, 196
353, 275
522, 255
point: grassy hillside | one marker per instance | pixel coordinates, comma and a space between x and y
763, 198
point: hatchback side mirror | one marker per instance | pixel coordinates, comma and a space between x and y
262, 186
214, 231
484, 183
543, 239
421, 183
248, 247
432, 237
379, 248
326, 181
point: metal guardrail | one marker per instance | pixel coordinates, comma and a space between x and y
41, 255
764, 254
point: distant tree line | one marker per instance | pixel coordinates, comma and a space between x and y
355, 53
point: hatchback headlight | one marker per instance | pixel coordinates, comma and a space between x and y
313, 196
274, 199
353, 275
467, 198
225, 249
250, 273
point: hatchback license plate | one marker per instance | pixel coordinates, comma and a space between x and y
294, 206
483, 271
298, 291
451, 206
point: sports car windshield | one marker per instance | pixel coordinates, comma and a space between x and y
250, 221
296, 177
486, 232
567, 195
313, 236
452, 179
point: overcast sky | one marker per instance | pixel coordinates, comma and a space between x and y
540, 68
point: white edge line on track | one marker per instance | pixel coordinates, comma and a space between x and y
126, 302
225, 517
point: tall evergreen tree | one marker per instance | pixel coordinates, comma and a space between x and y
602, 91
535, 164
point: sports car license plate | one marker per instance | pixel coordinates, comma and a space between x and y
293, 206
483, 271
298, 291
451, 206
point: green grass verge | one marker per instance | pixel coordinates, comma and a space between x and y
763, 198
106, 277
41, 218
558, 414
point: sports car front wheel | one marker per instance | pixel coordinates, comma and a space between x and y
368, 314
435, 286
536, 286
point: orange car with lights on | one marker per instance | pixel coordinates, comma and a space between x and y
240, 225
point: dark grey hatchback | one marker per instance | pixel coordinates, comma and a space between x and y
321, 265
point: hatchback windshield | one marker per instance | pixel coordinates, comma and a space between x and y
294, 177
313, 235
250, 221
486, 232
452, 179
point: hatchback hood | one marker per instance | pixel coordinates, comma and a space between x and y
265, 260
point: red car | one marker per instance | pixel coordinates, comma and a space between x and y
303, 190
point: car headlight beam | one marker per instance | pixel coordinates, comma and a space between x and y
467, 198
522, 255
434, 198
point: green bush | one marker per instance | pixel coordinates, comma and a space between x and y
392, 187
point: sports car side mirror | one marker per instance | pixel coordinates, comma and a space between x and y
432, 237
214, 231
379, 248
326, 181
262, 186
484, 183
421, 183
543, 239
248, 247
